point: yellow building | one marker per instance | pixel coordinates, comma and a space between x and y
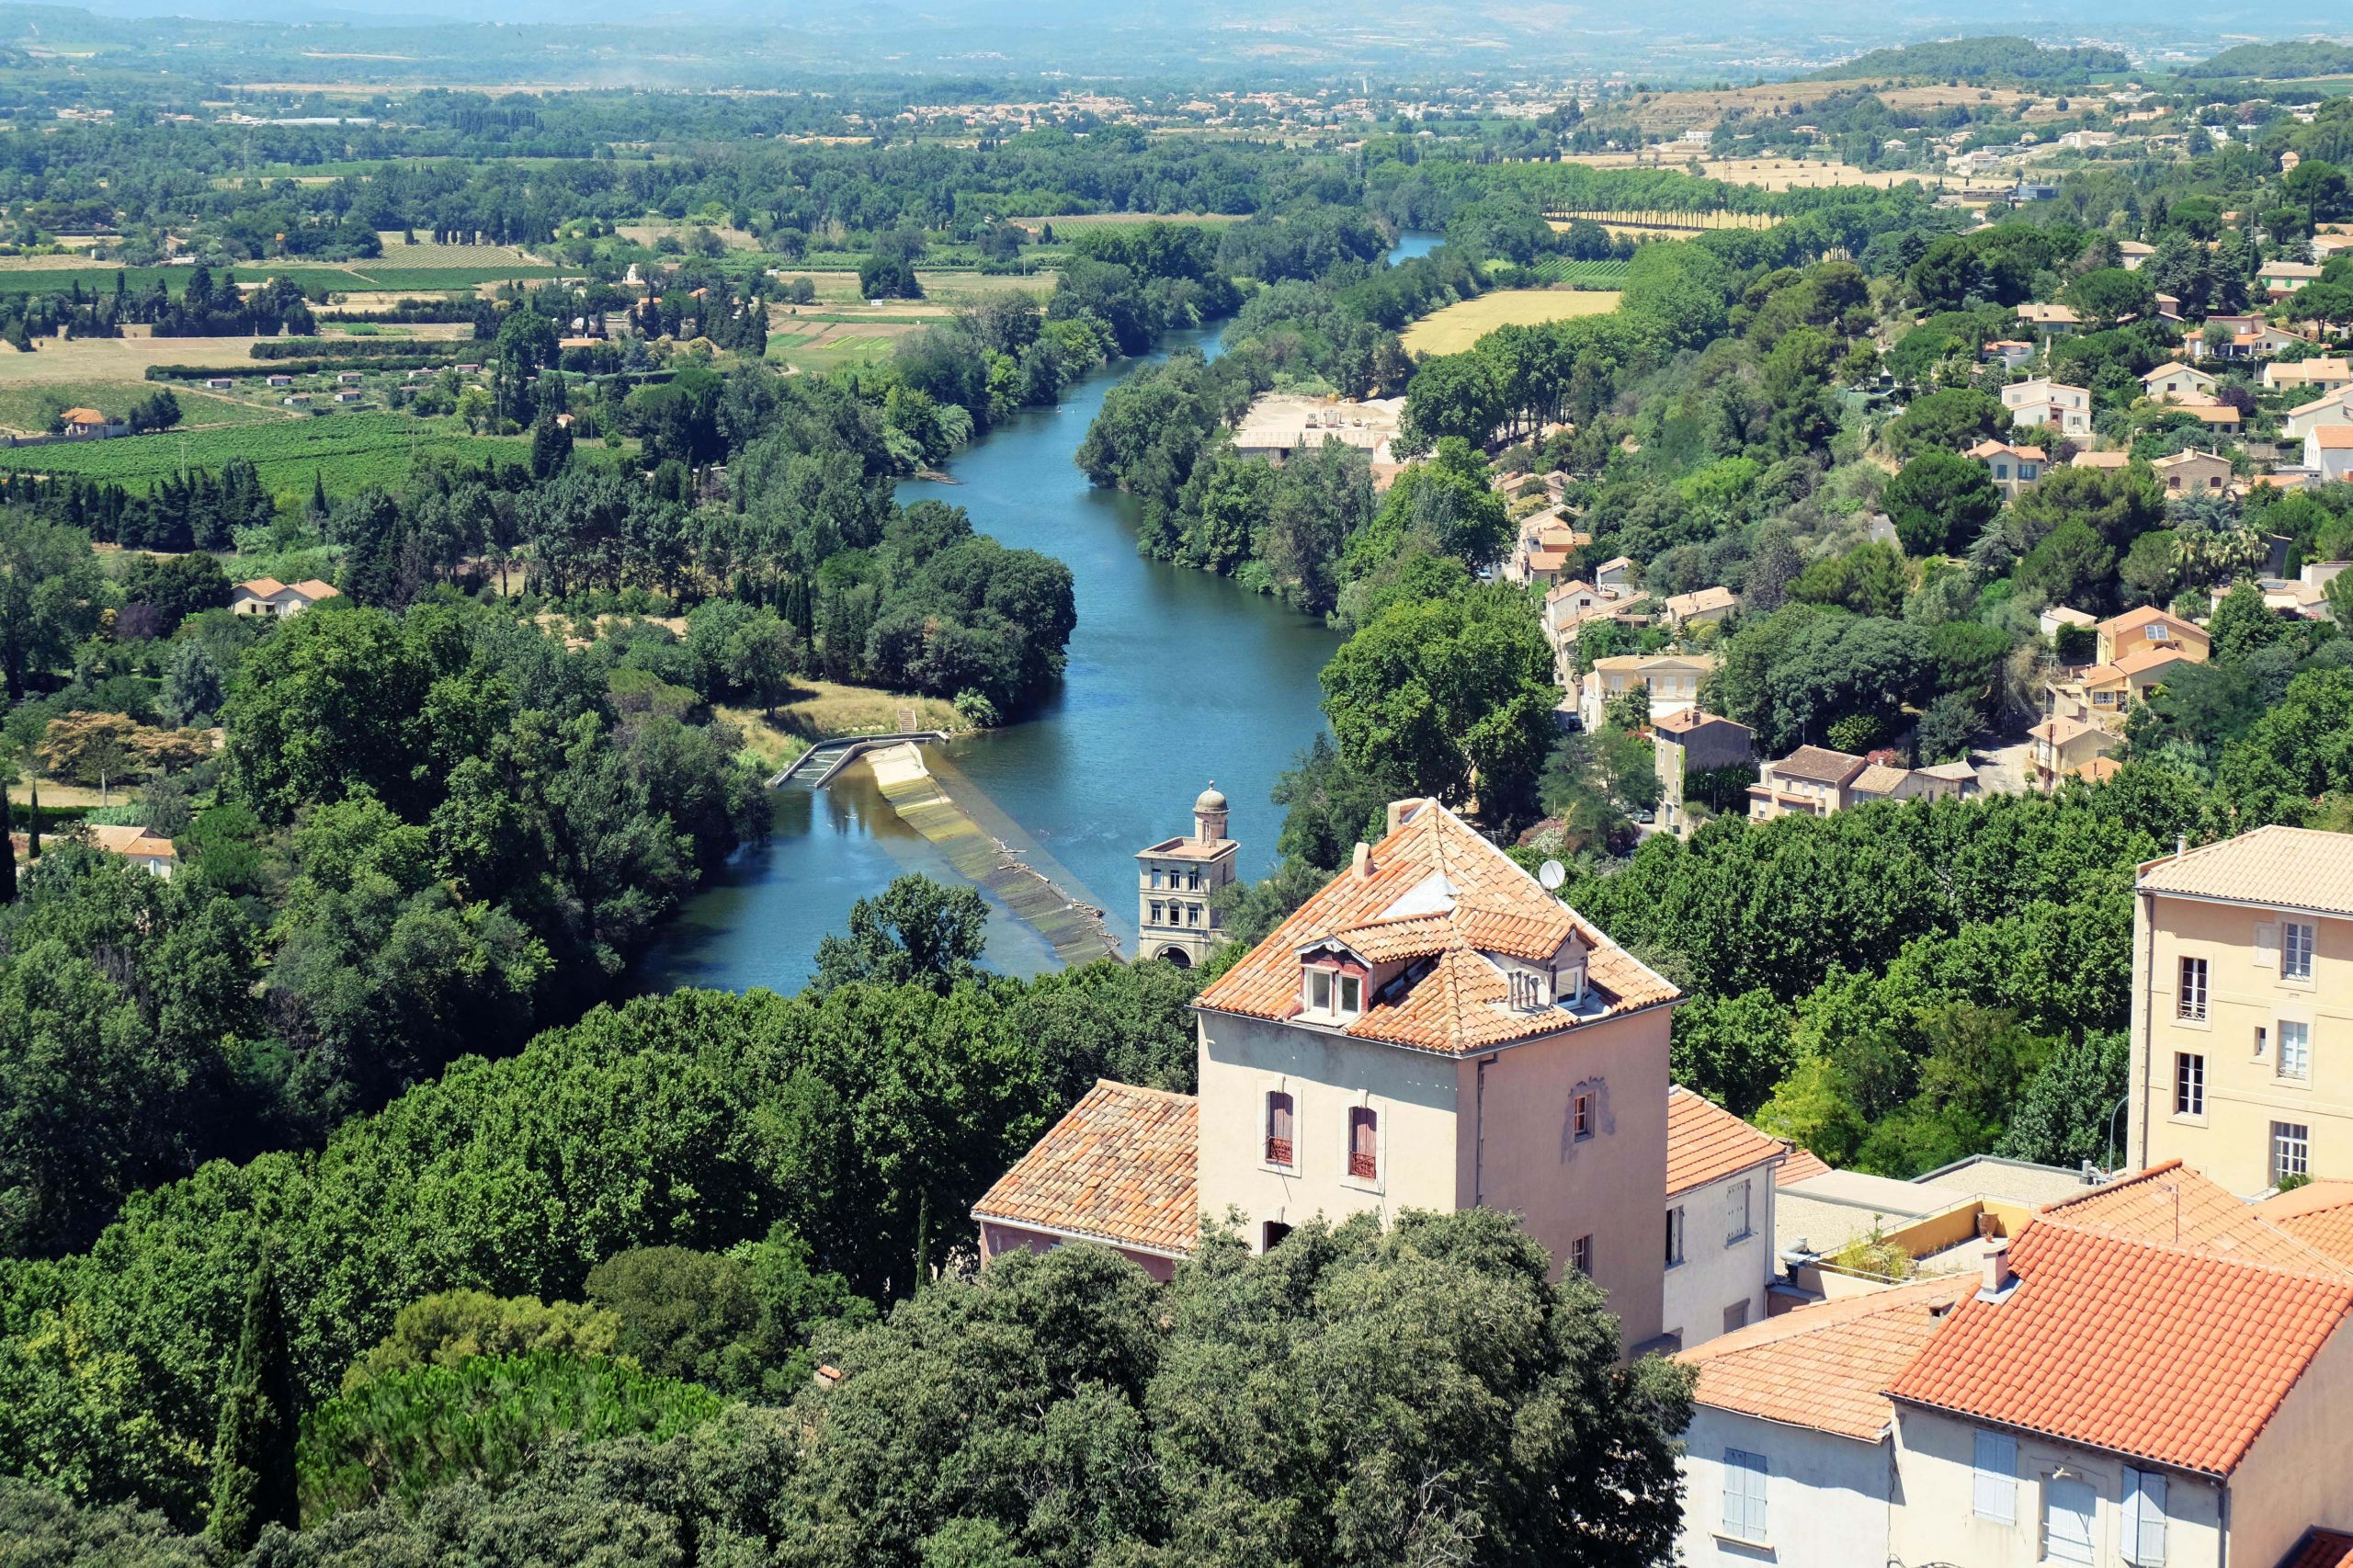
2242, 1041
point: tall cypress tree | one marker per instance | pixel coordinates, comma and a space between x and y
7, 851
253, 1456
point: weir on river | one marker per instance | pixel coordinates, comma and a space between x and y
1175, 677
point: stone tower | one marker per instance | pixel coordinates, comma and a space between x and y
1174, 880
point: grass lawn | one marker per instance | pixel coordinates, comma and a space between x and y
26, 406
819, 710
1456, 327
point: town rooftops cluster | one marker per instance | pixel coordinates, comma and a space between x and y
1435, 941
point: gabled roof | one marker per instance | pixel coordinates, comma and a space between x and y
1683, 721
1984, 449
2161, 1353
1702, 600
1437, 897
2321, 1548
2140, 614
2320, 1215
2060, 732
2181, 458
263, 588
1819, 765
2172, 1204
2175, 368
1803, 1165
313, 589
2330, 437
2149, 656
1706, 1143
1825, 1366
1880, 779
2283, 867
1120, 1169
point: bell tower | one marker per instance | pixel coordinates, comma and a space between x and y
1174, 880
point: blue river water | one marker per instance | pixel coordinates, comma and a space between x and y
1176, 677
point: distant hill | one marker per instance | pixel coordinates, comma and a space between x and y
1978, 60
2276, 61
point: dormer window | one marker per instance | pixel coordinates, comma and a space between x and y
1332, 987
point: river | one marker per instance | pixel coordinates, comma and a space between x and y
1176, 677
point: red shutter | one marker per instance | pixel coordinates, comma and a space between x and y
1364, 1144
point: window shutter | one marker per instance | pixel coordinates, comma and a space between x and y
2267, 944
2144, 1518
1997, 1488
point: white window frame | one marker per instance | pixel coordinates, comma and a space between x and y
1349, 998
2188, 1083
1995, 1469
2298, 939
1319, 988
1581, 1255
2294, 1060
1738, 1203
2291, 1149
2185, 1007
1744, 1516
2143, 1540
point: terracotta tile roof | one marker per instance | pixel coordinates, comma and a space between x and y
1880, 779
1825, 1366
312, 588
2158, 1352
2321, 1548
1706, 1143
2060, 732
1803, 1165
2134, 619
2329, 437
1437, 897
1819, 764
2176, 1205
2100, 459
2285, 867
2320, 1215
1119, 1168
2155, 655
265, 586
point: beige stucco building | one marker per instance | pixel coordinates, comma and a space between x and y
2242, 1046
1432, 1030
1174, 882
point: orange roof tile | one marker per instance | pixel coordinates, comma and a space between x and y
2320, 1215
1826, 1366
1803, 1165
2174, 1205
1119, 1168
1706, 1143
1437, 898
2285, 867
265, 586
2321, 1548
2159, 1352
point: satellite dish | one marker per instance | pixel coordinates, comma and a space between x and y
1551, 874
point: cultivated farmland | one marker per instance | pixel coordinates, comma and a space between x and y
347, 451
1456, 327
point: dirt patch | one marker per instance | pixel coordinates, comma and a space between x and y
1456, 327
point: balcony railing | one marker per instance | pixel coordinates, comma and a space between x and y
1279, 1151
1364, 1167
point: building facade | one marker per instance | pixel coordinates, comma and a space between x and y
1175, 881
1719, 1246
2242, 1046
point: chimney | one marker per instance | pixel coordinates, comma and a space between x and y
1363, 866
1999, 1278
1401, 812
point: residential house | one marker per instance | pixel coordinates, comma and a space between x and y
2100, 459
2136, 252
2045, 401
2242, 970
2334, 407
2066, 748
1810, 781
1791, 1454
2323, 374
1694, 742
2014, 353
2328, 452
1615, 576
2174, 382
2280, 279
1432, 1030
145, 847
1702, 606
2013, 468
82, 424
2193, 472
1673, 680
282, 380
2145, 625
1719, 1220
2213, 412
2109, 1397
2102, 695
2053, 616
1279, 423
1885, 779
268, 595
2050, 319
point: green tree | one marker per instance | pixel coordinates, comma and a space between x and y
450, 1326
917, 931
1948, 420
50, 595
254, 1476
1940, 501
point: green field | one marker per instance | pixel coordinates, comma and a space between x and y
377, 274
349, 451
1560, 270
27, 406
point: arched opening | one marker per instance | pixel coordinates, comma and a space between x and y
1178, 956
